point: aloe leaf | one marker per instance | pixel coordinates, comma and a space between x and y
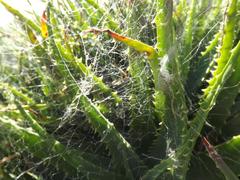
75, 11
203, 167
65, 159
231, 128
229, 175
119, 148
67, 57
17, 93
229, 151
206, 104
31, 35
188, 32
169, 92
30, 120
202, 67
112, 24
169, 96
158, 169
181, 9
47, 84
210, 12
221, 110
184, 152
187, 40
21, 17
137, 45
164, 26
91, 17
228, 32
212, 44
53, 34
141, 108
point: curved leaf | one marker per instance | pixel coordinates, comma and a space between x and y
21, 17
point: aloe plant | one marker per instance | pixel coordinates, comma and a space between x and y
142, 92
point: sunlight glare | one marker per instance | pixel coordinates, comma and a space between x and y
23, 6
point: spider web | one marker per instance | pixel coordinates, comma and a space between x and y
108, 59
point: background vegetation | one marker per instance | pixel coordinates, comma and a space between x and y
135, 89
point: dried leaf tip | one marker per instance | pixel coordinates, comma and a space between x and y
137, 45
44, 29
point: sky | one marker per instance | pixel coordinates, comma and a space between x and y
23, 6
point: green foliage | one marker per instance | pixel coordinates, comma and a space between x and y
79, 106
